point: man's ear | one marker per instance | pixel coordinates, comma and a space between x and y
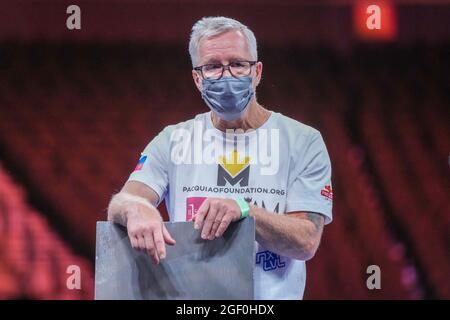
197, 80
258, 72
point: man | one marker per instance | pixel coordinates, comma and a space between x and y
272, 168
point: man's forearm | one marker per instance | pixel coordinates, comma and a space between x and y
116, 212
122, 203
288, 235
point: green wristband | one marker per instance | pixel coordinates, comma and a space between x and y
245, 208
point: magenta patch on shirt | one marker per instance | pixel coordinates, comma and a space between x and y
192, 206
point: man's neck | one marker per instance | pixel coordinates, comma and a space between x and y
254, 118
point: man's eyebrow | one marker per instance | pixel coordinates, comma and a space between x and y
212, 61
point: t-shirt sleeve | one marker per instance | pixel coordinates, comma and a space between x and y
152, 167
310, 187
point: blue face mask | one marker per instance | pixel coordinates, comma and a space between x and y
228, 97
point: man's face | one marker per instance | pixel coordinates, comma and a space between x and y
225, 48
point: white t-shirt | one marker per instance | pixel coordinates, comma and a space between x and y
282, 166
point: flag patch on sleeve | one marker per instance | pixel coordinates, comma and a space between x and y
140, 163
327, 192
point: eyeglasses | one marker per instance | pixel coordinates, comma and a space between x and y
214, 71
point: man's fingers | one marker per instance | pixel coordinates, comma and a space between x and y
141, 243
201, 214
134, 241
167, 237
150, 247
223, 226
212, 213
159, 243
220, 214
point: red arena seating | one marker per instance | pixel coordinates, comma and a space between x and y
33, 259
74, 119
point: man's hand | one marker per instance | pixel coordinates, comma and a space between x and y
215, 215
147, 232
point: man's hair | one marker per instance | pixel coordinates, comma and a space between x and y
212, 26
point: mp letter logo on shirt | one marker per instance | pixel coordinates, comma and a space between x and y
234, 170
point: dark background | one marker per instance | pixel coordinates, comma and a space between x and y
77, 108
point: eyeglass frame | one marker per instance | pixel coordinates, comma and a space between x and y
225, 67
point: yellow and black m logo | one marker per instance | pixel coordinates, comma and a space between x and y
233, 170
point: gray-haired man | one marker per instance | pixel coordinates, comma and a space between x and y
238, 159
